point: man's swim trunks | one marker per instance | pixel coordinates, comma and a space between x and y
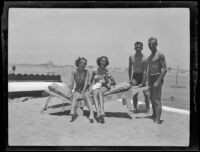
153, 78
138, 77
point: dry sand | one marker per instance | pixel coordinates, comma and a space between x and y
27, 126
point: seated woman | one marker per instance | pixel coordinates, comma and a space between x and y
101, 81
81, 78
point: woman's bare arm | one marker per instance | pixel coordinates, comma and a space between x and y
71, 83
164, 69
92, 78
113, 82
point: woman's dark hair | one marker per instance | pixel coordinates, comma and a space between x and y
79, 59
100, 58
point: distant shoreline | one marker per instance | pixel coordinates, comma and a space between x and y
90, 66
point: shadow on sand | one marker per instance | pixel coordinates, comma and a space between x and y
118, 115
58, 105
61, 113
139, 111
86, 113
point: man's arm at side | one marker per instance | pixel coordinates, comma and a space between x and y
71, 83
144, 71
130, 67
164, 70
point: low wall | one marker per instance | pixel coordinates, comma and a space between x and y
32, 77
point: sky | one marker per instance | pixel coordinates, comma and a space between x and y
38, 35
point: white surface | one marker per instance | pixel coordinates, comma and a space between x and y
96, 86
30, 86
176, 110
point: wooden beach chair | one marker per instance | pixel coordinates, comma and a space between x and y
126, 97
64, 100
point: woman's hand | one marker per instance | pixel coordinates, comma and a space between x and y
112, 86
141, 85
70, 94
90, 89
102, 81
133, 82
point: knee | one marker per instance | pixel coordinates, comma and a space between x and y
74, 100
101, 93
95, 92
86, 94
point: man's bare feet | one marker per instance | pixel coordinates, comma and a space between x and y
148, 111
158, 121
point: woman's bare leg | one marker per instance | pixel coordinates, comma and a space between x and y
146, 96
101, 99
89, 105
74, 103
95, 96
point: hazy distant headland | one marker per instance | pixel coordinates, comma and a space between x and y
50, 64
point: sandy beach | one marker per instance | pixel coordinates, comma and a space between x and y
28, 126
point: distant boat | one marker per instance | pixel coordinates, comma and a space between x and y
176, 82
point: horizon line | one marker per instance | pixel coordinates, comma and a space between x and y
87, 65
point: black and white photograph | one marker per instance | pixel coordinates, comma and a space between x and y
99, 77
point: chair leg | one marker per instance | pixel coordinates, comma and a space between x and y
129, 105
46, 104
79, 109
124, 101
63, 106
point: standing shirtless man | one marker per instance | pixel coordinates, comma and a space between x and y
136, 74
156, 70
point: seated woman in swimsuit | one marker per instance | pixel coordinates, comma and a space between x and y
81, 78
101, 81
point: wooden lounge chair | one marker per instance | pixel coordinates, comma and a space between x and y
126, 97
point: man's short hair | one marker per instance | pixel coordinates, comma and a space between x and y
153, 39
138, 43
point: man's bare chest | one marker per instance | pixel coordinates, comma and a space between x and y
154, 61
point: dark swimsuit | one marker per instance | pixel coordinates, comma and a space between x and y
153, 78
80, 80
138, 77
